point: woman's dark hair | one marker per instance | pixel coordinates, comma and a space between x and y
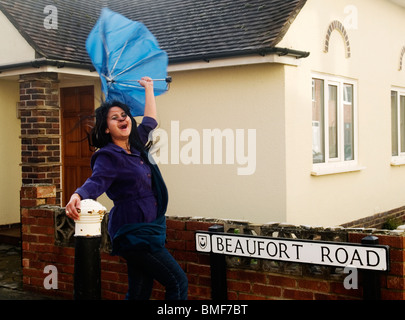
98, 137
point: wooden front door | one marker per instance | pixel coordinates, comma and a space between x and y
77, 109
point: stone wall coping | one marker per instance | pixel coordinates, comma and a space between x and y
400, 231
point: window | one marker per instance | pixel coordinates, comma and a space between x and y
334, 131
398, 126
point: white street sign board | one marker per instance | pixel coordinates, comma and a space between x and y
371, 257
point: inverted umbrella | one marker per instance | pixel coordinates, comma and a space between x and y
123, 51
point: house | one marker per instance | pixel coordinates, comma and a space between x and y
279, 110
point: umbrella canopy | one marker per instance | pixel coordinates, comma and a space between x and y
123, 51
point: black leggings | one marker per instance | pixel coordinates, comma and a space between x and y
144, 267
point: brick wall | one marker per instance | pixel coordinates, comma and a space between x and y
377, 220
40, 129
246, 279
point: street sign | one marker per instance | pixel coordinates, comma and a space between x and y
338, 254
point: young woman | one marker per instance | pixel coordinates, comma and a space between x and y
137, 225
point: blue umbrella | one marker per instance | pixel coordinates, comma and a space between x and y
123, 51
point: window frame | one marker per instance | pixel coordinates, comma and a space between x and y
339, 164
398, 159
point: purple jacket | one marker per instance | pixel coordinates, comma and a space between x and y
126, 179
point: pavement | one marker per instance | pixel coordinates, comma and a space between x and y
11, 285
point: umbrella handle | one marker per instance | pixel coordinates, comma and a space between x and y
167, 79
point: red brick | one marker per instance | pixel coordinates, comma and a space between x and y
108, 257
24, 213
65, 260
123, 278
203, 259
339, 289
392, 295
190, 245
397, 268
244, 296
243, 275
173, 244
25, 229
46, 191
25, 246
30, 272
108, 295
269, 291
66, 269
297, 294
180, 255
28, 220
46, 239
66, 251
322, 296
199, 291
25, 263
198, 225
198, 269
45, 222
109, 276
397, 283
41, 247
282, 281
28, 192
49, 258
204, 281
51, 201
184, 235
239, 286
29, 255
118, 287
114, 267
396, 242
37, 282
41, 230
176, 224
30, 238
64, 277
397, 255
314, 285
29, 203
38, 192
159, 294
44, 213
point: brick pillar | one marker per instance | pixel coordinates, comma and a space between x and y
37, 226
38, 242
40, 130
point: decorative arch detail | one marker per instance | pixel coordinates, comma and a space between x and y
401, 58
337, 25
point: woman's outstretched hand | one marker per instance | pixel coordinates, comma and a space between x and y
73, 207
146, 82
